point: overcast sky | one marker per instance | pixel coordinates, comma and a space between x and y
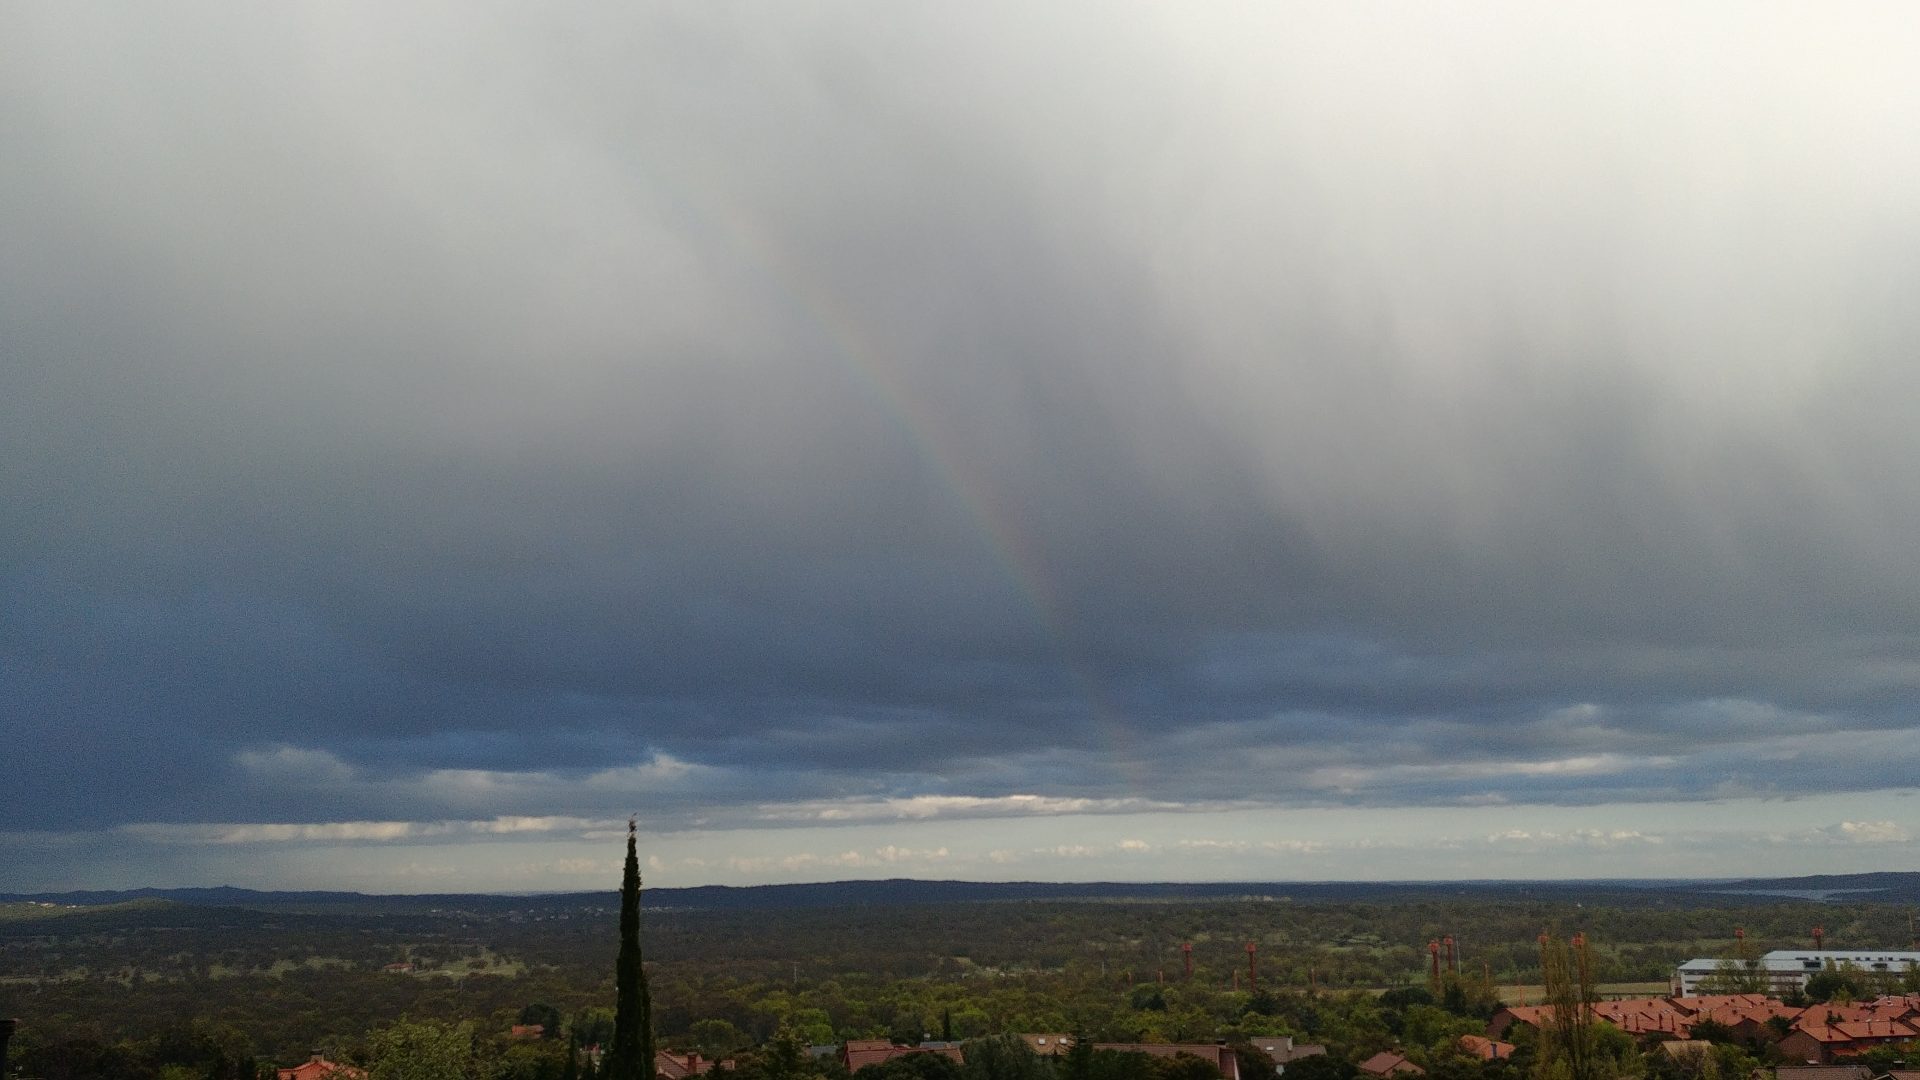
1159, 441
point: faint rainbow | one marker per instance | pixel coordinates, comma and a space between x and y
998, 529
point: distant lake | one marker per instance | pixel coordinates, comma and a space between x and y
1817, 895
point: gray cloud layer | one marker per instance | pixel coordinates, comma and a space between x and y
447, 413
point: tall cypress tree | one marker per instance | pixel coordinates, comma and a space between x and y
631, 1056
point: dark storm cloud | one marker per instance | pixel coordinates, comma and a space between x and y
448, 414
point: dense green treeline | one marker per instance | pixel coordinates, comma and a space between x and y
285, 983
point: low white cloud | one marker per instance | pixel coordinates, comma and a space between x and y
1217, 845
1351, 779
353, 831
892, 854
1298, 847
1574, 837
510, 825
1869, 832
885, 855
300, 766
922, 807
288, 833
662, 769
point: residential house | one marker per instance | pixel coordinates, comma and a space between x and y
317, 1067
681, 1066
1820, 1044
1215, 1054
1485, 1049
1815, 1072
860, 1053
1390, 1063
1283, 1050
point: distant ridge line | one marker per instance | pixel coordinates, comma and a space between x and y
1884, 886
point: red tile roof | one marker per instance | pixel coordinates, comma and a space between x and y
860, 1053
1221, 1057
319, 1068
1486, 1049
1388, 1063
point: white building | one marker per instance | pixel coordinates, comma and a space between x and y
1789, 969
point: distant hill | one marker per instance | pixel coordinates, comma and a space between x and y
1892, 887
1901, 887
900, 891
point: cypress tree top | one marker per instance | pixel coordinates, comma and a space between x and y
631, 1055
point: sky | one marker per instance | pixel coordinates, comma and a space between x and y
990, 441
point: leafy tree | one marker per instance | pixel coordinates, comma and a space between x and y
545, 1015
1834, 984
972, 1023
1719, 1062
716, 1039
1567, 1043
909, 1026
631, 1055
1449, 1063
1321, 1067
1254, 1063
412, 1050
542, 1060
1735, 1063
784, 1057
1123, 1065
1078, 1063
1428, 1025
1737, 976
1148, 997
812, 1026
1402, 996
924, 1066
1714, 1031
594, 1026
1002, 1057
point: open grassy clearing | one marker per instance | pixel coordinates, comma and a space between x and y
1535, 994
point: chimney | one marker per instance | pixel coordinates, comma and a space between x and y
1433, 958
6, 1036
1453, 958
1819, 937
315, 1055
1253, 967
1187, 949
